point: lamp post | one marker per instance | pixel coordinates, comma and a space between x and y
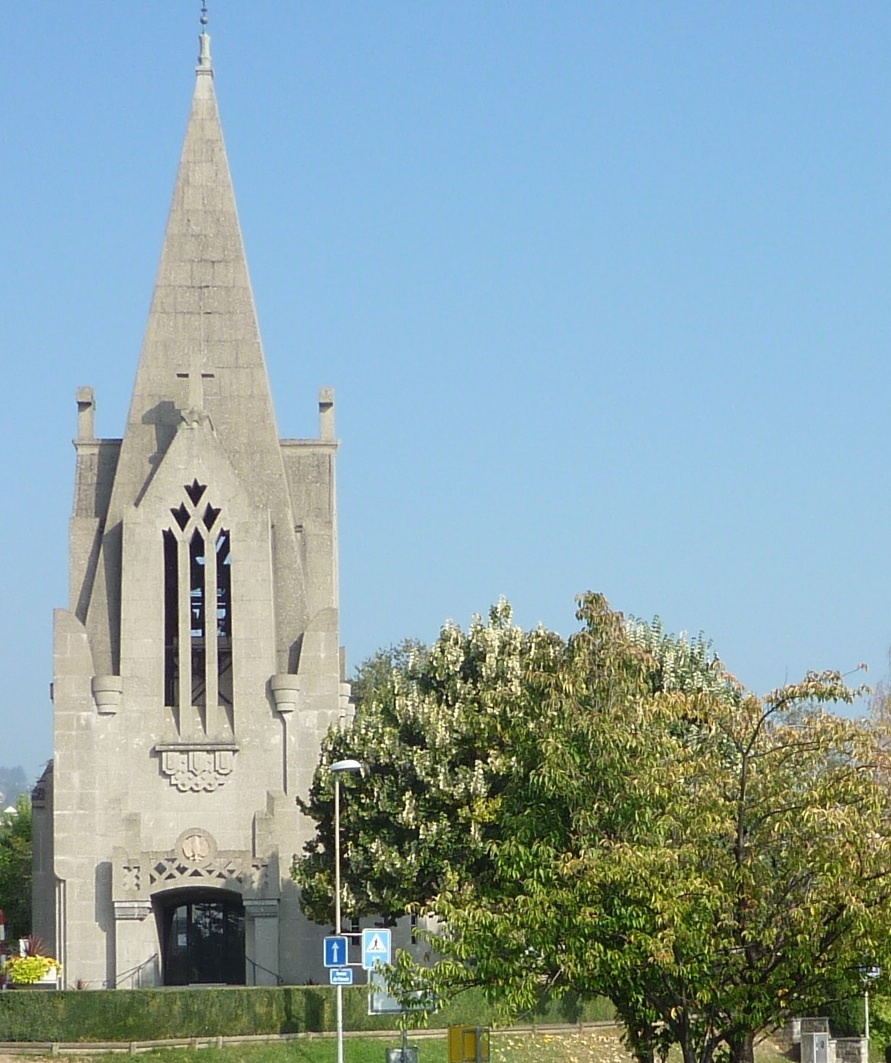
4, 947
867, 975
338, 769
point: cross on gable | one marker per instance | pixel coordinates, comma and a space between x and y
195, 411
196, 380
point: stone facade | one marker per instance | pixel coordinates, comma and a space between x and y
197, 665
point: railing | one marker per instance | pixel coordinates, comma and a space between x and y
135, 974
259, 967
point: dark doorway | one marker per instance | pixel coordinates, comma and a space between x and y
202, 937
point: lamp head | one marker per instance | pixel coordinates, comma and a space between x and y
341, 766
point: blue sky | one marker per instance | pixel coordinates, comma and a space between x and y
602, 289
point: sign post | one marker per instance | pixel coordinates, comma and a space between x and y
337, 770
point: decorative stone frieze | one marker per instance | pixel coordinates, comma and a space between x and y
131, 877
197, 767
174, 871
195, 860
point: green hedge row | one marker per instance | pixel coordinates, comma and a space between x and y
160, 1014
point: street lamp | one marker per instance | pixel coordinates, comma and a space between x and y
338, 769
867, 976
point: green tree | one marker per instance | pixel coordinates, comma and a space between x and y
374, 676
15, 869
434, 729
745, 878
612, 814
429, 729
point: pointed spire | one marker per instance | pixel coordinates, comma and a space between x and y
202, 360
201, 392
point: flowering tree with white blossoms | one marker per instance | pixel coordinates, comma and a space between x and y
432, 735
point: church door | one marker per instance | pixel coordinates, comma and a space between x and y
202, 938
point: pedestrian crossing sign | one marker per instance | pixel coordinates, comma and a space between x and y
376, 947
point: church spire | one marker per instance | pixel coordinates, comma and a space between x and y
201, 387
202, 360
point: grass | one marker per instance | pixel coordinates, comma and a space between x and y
321, 1050
591, 1045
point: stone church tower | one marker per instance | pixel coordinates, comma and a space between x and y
197, 665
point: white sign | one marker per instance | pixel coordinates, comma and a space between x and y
380, 1000
376, 947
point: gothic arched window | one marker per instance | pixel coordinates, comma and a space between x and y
197, 609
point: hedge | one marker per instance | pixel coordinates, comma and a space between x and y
159, 1014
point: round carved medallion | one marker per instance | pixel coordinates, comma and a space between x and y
196, 848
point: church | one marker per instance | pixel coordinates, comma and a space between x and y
197, 665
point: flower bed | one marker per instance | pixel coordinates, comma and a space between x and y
32, 970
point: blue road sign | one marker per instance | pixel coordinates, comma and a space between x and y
335, 950
341, 976
376, 947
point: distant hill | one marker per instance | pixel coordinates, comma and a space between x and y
13, 782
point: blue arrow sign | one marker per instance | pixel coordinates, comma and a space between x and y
335, 951
376, 947
340, 976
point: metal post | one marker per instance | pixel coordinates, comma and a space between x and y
336, 769
867, 975
866, 1013
337, 920
4, 947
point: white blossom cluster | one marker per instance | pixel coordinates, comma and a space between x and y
685, 665
432, 738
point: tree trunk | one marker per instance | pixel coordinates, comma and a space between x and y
640, 1041
689, 1050
693, 1052
742, 1048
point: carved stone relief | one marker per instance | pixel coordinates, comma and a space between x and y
192, 769
195, 860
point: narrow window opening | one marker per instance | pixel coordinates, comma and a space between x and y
198, 610
224, 618
171, 621
181, 516
195, 491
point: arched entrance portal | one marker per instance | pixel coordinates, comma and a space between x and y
202, 936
